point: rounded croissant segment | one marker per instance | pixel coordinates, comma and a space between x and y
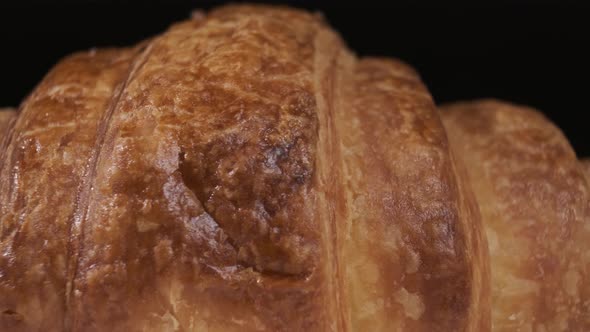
245, 171
534, 200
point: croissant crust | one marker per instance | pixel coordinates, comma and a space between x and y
245, 171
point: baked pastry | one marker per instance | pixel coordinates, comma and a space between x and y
533, 198
243, 171
6, 115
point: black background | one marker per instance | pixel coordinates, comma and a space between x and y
529, 52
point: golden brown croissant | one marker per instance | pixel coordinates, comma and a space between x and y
244, 171
533, 198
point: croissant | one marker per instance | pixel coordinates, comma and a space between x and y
533, 198
245, 171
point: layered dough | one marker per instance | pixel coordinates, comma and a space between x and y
414, 257
45, 166
244, 171
533, 199
240, 172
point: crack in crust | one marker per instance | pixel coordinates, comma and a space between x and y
41, 173
212, 182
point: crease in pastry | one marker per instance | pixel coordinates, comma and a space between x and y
224, 178
39, 176
329, 79
178, 206
75, 231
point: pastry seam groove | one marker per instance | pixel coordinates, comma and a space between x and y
76, 245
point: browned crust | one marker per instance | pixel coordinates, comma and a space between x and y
242, 171
532, 197
209, 182
43, 168
414, 253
